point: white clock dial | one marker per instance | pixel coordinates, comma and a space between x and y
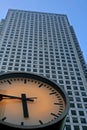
30, 102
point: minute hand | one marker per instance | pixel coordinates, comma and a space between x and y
15, 97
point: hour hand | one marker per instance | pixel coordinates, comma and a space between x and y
3, 96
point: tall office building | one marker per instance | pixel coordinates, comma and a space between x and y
46, 44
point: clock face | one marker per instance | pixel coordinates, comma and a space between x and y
30, 101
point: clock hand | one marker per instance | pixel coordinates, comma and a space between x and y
24, 104
15, 97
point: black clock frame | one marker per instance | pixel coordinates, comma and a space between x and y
59, 123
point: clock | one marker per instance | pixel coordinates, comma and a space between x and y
30, 101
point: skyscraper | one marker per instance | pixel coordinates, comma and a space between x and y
46, 44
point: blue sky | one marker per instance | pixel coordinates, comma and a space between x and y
76, 11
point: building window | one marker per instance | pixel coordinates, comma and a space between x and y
75, 120
81, 113
84, 127
83, 120
68, 127
76, 128
73, 112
